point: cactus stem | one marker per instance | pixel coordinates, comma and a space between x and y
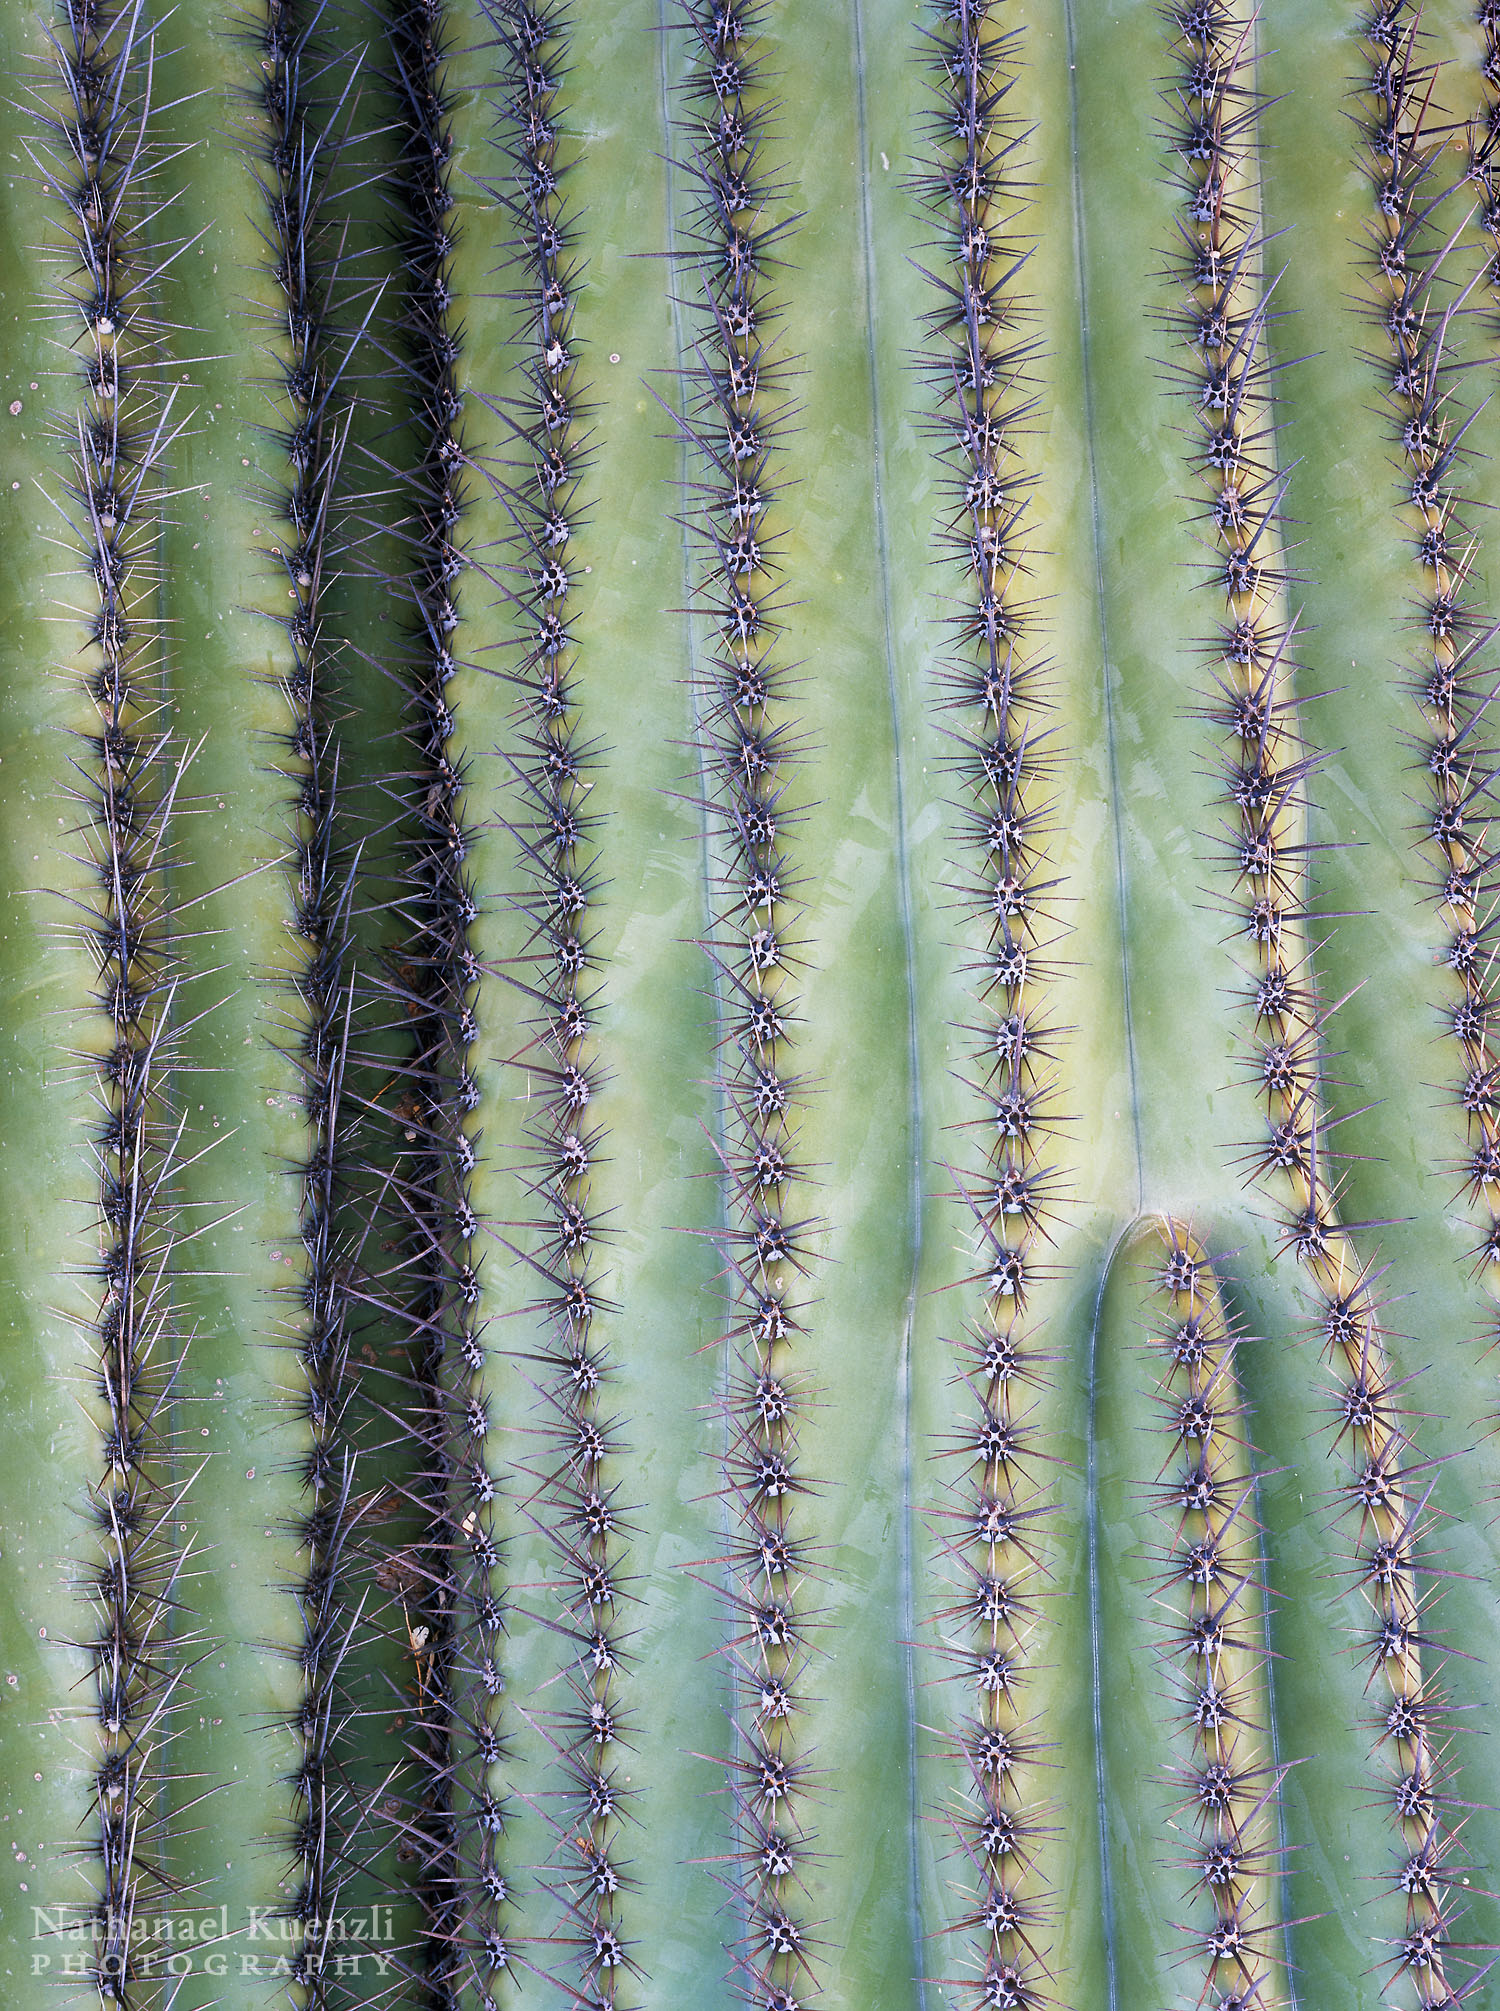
295, 108
735, 378
98, 147
1212, 1597
992, 1524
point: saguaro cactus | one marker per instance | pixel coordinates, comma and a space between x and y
752, 1133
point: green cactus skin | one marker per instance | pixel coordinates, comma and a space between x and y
991, 700
649, 1183
737, 399
398, 1689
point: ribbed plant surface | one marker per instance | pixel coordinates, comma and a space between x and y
750, 1138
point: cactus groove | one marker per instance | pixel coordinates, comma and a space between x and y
752, 1177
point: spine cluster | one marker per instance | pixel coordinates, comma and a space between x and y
296, 153
445, 1579
1212, 1599
573, 1502
94, 149
735, 378
1265, 772
990, 698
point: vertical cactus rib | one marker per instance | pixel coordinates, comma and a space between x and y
979, 377
572, 1471
1190, 1778
1385, 1492
736, 380
1213, 1598
96, 146
301, 90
